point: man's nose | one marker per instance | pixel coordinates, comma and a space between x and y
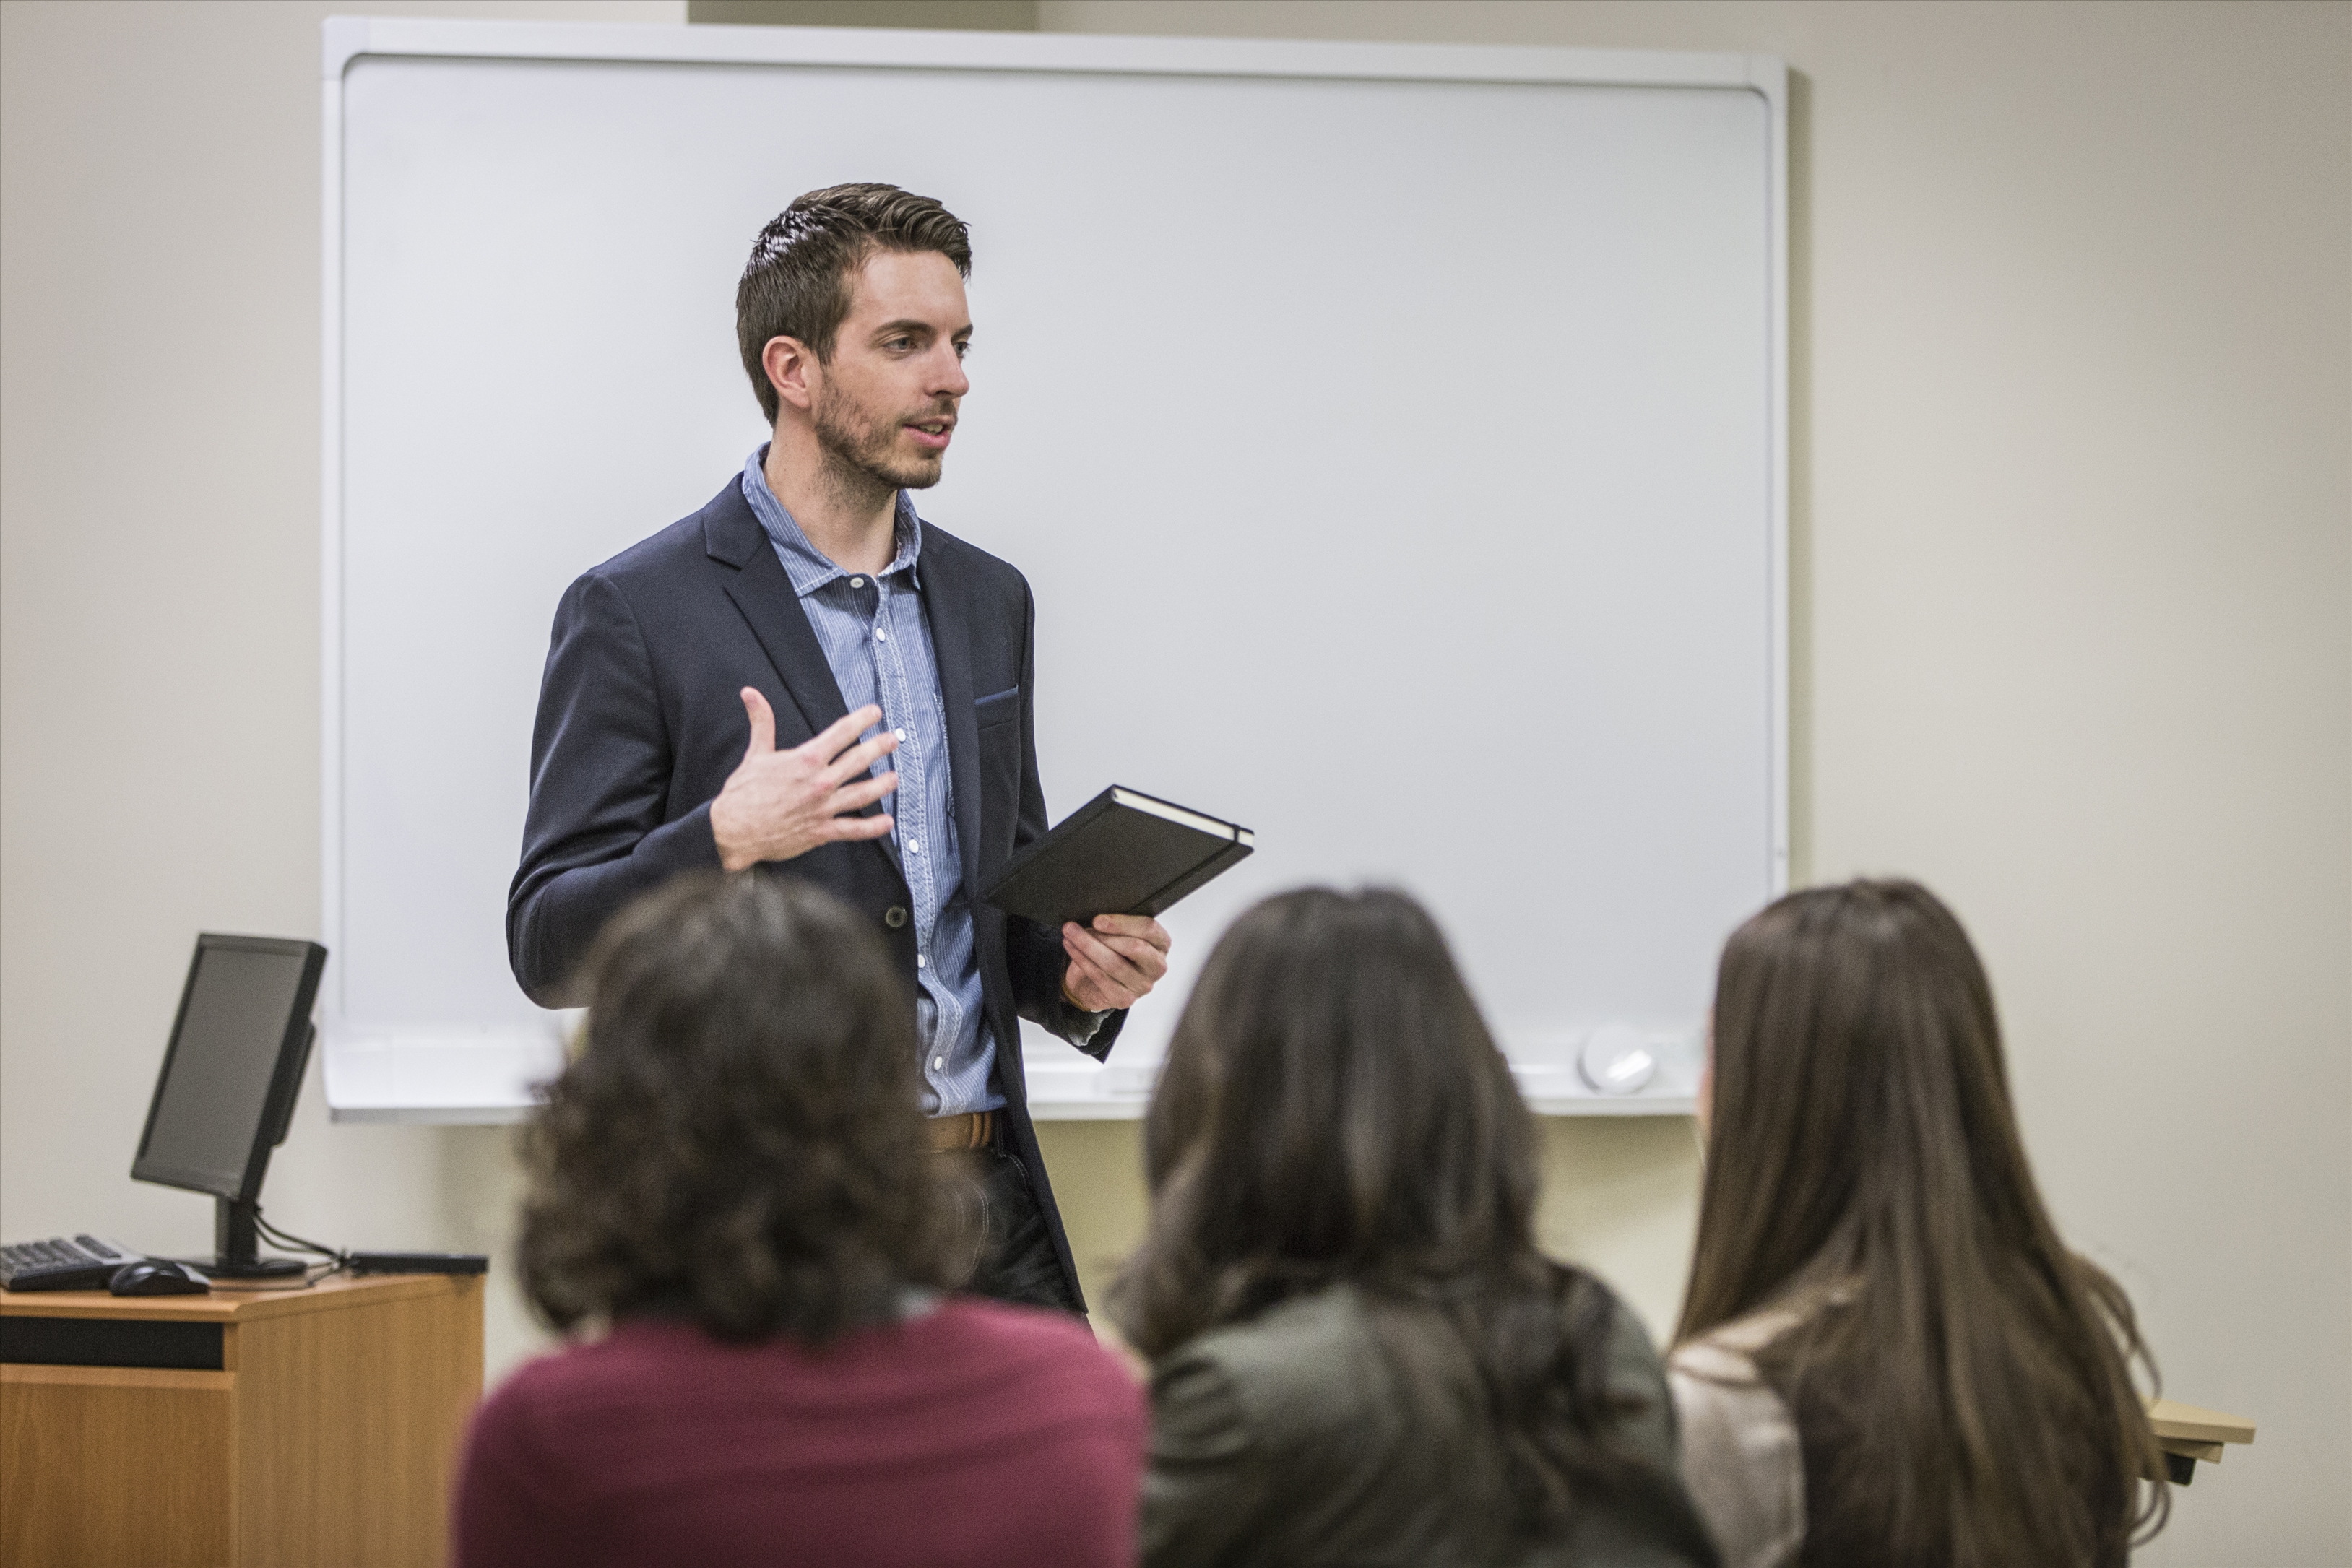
949, 379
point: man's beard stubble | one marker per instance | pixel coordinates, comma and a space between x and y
858, 456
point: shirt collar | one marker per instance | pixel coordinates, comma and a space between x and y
809, 568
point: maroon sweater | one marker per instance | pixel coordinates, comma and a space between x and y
974, 1434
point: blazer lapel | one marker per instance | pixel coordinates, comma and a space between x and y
767, 602
764, 595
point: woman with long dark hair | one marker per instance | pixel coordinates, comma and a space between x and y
1359, 1356
1886, 1355
731, 1189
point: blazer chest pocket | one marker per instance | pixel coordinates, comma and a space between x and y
997, 708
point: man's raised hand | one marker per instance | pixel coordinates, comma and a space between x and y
779, 804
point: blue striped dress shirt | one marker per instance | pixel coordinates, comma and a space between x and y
877, 640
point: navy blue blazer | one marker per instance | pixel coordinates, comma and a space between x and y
640, 723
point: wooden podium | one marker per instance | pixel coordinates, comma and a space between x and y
242, 1430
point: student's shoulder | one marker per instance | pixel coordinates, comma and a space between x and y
1727, 1354
1291, 1340
522, 1425
1624, 1338
1044, 1350
635, 1357
1302, 1367
1013, 1330
1722, 1400
1741, 1452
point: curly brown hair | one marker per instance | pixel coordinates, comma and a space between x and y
737, 1140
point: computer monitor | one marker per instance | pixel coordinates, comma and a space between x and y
226, 1091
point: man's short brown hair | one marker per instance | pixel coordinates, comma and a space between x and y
803, 267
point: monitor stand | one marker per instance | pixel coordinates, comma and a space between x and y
237, 1246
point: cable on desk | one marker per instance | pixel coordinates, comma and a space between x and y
335, 1263
286, 1239
263, 1287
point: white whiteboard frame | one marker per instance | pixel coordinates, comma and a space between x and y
487, 1080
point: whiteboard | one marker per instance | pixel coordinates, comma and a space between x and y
1393, 437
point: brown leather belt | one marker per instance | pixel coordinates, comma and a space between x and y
969, 1130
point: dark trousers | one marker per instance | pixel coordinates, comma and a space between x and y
1012, 1253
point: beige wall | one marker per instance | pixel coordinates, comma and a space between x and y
158, 604
2073, 453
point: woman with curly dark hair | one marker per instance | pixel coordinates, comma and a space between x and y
733, 1196
1359, 1355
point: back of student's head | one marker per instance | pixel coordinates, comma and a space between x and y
1961, 1380
1333, 1111
1333, 1107
737, 1140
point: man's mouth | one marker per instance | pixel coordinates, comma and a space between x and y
932, 435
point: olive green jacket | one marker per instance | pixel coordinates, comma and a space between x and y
1288, 1439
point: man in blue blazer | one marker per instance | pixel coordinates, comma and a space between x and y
725, 695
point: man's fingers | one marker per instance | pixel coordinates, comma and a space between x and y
1114, 968
861, 757
764, 724
859, 827
858, 796
1148, 961
1093, 946
1142, 927
1090, 987
836, 737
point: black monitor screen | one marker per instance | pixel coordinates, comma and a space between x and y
245, 1010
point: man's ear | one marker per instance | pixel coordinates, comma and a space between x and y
791, 369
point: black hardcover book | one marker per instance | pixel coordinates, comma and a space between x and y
1122, 853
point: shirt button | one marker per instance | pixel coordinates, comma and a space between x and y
880, 635
919, 961
938, 1063
895, 916
901, 734
914, 846
857, 583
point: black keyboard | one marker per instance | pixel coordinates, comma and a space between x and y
64, 1263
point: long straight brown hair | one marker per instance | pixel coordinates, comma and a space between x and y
1333, 1111
1961, 1383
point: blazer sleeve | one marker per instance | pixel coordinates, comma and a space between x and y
600, 769
1032, 952
1207, 1488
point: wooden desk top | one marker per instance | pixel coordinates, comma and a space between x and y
2193, 1423
229, 1305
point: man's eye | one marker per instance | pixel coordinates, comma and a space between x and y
899, 343
961, 349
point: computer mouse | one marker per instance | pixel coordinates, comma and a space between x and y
157, 1277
